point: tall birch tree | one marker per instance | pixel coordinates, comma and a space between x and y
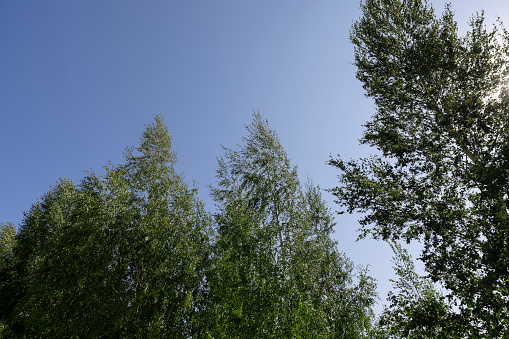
277, 271
441, 131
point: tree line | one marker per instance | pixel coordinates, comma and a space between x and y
134, 253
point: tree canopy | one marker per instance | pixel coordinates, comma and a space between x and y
134, 254
121, 255
277, 270
441, 130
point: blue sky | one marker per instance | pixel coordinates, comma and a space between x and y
80, 79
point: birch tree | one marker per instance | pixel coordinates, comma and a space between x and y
441, 131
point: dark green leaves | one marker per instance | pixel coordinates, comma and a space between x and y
441, 126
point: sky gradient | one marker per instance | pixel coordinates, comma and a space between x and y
80, 79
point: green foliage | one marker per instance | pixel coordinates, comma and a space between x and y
133, 254
122, 255
417, 309
7, 239
277, 272
442, 129
8, 282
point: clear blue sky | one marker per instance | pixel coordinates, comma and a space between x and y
80, 79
